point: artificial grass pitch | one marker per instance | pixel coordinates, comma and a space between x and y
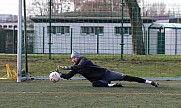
80, 94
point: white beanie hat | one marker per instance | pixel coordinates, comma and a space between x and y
75, 54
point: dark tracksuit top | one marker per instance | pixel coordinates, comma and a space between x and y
87, 69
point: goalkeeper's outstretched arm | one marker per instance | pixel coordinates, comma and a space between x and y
68, 75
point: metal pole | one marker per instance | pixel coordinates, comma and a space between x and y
50, 20
122, 30
71, 41
19, 41
97, 43
97, 40
175, 40
14, 40
43, 40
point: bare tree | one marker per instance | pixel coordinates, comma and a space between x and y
61, 6
41, 7
156, 9
37, 7
136, 23
97, 5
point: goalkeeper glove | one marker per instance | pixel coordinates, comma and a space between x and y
65, 67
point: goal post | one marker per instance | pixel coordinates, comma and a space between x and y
19, 42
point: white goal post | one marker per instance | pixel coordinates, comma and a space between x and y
19, 42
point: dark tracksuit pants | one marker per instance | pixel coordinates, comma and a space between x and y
115, 76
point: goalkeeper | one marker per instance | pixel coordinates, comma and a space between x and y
98, 76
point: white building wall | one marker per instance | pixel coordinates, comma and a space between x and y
170, 41
178, 51
153, 41
109, 42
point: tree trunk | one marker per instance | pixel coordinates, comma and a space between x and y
136, 23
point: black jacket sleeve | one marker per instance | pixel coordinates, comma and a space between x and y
69, 75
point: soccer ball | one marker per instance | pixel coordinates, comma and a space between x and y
54, 76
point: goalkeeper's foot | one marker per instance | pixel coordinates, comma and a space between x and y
154, 84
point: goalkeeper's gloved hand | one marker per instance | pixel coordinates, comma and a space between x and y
64, 67
57, 69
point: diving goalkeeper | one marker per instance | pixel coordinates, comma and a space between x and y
98, 76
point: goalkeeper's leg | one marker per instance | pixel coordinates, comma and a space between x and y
100, 83
139, 80
134, 79
104, 83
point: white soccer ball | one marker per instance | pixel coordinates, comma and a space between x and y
54, 76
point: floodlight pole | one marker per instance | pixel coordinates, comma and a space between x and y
19, 42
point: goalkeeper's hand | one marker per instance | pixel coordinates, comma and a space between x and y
57, 69
64, 67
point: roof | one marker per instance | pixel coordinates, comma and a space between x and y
63, 19
165, 25
161, 17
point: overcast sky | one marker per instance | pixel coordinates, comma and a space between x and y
11, 6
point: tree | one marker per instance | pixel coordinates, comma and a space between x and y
156, 9
37, 7
41, 7
153, 9
98, 6
136, 23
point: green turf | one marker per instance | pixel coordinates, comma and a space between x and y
80, 94
135, 65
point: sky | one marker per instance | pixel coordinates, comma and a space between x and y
8, 6
170, 3
11, 6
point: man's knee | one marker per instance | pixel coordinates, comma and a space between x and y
99, 84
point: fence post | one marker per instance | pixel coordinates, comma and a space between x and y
122, 30
71, 41
50, 20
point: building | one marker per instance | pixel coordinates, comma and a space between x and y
8, 35
164, 38
84, 34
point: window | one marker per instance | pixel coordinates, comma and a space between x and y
53, 29
67, 29
59, 29
92, 30
126, 31
4, 26
118, 30
10, 26
85, 30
